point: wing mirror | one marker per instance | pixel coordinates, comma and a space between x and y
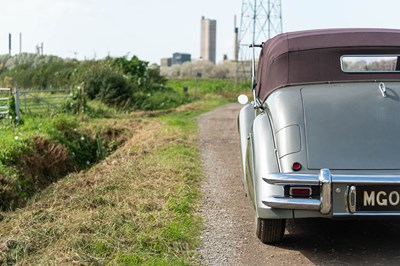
243, 99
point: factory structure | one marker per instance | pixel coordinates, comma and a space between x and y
258, 22
208, 45
39, 47
176, 59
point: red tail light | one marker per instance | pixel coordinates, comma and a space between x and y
296, 166
300, 191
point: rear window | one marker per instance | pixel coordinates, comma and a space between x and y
370, 63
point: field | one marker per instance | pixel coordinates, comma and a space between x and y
133, 204
229, 89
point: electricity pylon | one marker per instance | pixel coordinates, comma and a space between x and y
260, 20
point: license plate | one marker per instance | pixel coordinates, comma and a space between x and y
378, 198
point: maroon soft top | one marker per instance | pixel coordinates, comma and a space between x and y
314, 56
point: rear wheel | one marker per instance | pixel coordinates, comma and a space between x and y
270, 231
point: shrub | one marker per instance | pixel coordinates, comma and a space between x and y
160, 100
113, 81
115, 91
76, 104
81, 146
105, 82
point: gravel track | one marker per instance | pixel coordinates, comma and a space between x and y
228, 236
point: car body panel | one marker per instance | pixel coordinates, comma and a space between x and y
285, 107
351, 126
246, 118
288, 140
265, 162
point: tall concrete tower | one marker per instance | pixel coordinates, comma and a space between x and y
208, 39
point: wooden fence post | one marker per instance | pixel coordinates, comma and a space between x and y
17, 112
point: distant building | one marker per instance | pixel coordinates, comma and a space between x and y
180, 58
208, 39
177, 59
166, 62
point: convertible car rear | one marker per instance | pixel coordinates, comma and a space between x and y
321, 137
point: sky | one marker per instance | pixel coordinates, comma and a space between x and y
154, 29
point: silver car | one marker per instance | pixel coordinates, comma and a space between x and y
321, 137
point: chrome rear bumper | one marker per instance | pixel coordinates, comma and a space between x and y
325, 180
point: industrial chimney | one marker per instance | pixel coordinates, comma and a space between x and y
9, 43
236, 42
20, 43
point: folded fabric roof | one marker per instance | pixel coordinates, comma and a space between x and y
314, 57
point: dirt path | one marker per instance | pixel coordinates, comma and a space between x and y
229, 238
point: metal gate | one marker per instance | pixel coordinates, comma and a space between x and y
42, 101
5, 94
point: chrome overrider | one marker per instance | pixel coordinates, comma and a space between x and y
325, 180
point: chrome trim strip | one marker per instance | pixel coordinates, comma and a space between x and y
313, 179
369, 214
367, 179
325, 179
352, 199
382, 88
286, 179
292, 203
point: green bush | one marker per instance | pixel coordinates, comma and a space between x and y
122, 83
115, 91
81, 146
160, 100
10, 147
76, 104
97, 109
91, 75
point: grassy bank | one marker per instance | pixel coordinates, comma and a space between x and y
136, 207
44, 149
229, 89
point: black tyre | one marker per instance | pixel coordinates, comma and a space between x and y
270, 231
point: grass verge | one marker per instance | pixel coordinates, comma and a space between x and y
137, 207
43, 150
229, 89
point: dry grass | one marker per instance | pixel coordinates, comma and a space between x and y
45, 164
131, 208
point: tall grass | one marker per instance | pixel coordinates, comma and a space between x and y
137, 207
